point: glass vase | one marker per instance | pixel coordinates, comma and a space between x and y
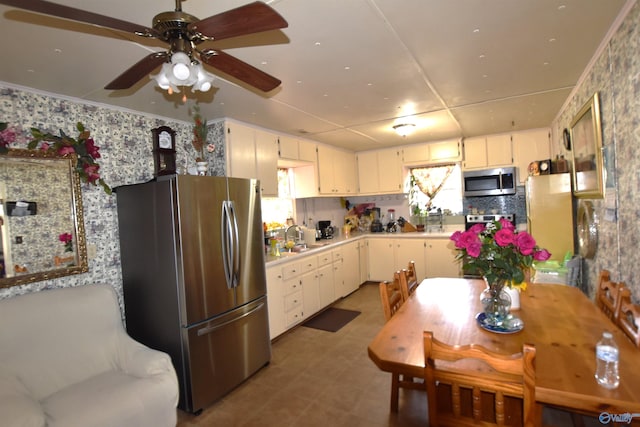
496, 303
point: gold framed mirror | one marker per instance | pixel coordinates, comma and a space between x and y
586, 149
41, 218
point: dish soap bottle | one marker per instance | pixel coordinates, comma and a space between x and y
607, 362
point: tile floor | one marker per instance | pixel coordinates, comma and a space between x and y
319, 378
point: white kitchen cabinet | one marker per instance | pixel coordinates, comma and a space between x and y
382, 261
287, 148
310, 293
336, 171
410, 250
267, 162
350, 269
241, 151
363, 254
326, 286
379, 171
253, 153
275, 301
291, 148
307, 151
430, 153
488, 151
445, 151
440, 258
529, 146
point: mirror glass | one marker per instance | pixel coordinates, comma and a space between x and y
41, 219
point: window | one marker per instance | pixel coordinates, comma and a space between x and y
444, 183
278, 209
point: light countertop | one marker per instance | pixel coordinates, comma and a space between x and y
319, 246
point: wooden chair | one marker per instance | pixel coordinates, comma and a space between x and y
609, 295
392, 299
628, 319
470, 385
408, 280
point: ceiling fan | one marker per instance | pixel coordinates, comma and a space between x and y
183, 33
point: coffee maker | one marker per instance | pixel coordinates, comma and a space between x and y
326, 230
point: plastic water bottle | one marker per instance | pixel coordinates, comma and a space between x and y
607, 362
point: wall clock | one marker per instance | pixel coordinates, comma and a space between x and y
164, 150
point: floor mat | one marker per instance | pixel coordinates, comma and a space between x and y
332, 319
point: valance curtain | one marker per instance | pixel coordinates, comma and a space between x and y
430, 180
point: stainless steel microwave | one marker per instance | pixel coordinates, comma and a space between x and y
490, 182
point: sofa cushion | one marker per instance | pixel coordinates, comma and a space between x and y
54, 338
17, 407
113, 399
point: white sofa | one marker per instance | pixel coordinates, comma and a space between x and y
66, 360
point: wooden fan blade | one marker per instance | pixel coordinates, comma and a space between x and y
240, 70
60, 11
251, 18
138, 71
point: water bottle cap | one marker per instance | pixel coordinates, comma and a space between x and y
607, 335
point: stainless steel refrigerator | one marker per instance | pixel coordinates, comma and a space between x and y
194, 283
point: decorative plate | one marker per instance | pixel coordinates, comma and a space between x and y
513, 324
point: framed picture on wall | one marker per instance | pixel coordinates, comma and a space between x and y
586, 149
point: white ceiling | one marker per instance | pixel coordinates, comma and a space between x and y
350, 69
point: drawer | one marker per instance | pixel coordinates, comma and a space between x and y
308, 264
293, 317
336, 255
293, 300
290, 270
324, 258
291, 286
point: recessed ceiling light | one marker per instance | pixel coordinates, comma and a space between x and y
318, 43
552, 39
561, 7
482, 56
545, 63
484, 76
477, 30
264, 62
369, 84
347, 68
56, 50
299, 81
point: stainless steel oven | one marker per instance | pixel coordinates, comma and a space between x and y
470, 221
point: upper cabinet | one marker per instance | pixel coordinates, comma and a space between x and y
336, 171
488, 151
431, 153
529, 146
253, 153
290, 148
379, 171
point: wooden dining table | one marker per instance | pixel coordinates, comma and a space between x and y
562, 323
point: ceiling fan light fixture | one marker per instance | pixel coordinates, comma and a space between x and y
404, 129
204, 79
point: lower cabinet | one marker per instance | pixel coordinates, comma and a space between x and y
434, 257
440, 259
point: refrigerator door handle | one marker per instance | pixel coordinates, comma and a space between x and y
210, 329
227, 244
230, 244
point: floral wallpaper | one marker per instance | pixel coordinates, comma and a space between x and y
126, 147
616, 77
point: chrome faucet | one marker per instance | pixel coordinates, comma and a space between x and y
297, 236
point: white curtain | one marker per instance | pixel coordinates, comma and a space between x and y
431, 179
